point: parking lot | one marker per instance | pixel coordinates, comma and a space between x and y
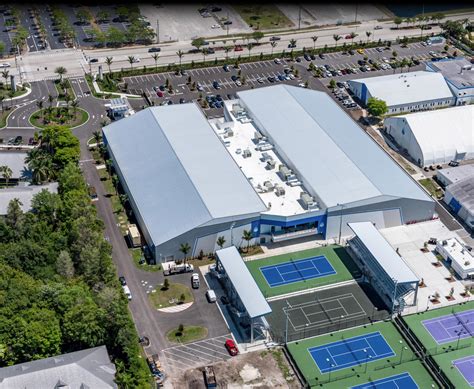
265, 73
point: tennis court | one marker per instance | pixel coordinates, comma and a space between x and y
301, 270
351, 352
451, 327
466, 368
403, 380
296, 271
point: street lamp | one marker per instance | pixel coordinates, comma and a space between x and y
459, 332
331, 365
340, 321
401, 351
286, 322
367, 360
428, 302
231, 234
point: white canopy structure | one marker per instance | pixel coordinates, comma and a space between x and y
435, 137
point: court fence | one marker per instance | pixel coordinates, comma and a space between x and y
335, 324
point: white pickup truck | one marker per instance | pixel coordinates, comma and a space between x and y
195, 281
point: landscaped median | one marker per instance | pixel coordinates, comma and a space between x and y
68, 116
334, 257
170, 294
186, 334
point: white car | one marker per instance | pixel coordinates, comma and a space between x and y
277, 61
4, 65
216, 26
136, 60
302, 85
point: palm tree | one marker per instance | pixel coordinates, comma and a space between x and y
353, 35
314, 38
227, 49
204, 53
131, 61
336, 38
60, 71
1, 101
6, 173
273, 44
249, 48
50, 100
40, 163
97, 136
155, 58
39, 104
180, 55
74, 106
108, 61
5, 75
221, 241
185, 248
247, 236
368, 34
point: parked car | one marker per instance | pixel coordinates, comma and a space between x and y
18, 140
154, 49
226, 68
160, 93
378, 28
231, 347
453, 163
238, 48
277, 61
275, 38
216, 85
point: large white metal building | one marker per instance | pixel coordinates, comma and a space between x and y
282, 163
435, 137
460, 197
405, 92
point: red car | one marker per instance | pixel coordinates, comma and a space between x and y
231, 347
238, 48
348, 37
160, 94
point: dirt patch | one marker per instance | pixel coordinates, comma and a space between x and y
260, 369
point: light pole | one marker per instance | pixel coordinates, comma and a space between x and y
340, 321
340, 222
331, 365
428, 302
401, 351
368, 356
286, 322
459, 332
231, 233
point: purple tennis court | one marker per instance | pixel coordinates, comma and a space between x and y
466, 368
448, 328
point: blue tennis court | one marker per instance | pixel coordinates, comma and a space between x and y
398, 381
296, 271
350, 352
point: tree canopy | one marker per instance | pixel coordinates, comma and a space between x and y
377, 107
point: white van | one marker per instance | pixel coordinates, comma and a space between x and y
211, 296
127, 292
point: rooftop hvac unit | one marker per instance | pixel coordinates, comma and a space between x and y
257, 136
247, 153
265, 147
268, 186
271, 164
284, 171
228, 132
279, 190
266, 156
308, 201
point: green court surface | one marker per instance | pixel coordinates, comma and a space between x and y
444, 361
336, 255
365, 372
415, 323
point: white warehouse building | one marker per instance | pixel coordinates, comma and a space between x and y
405, 92
284, 162
435, 137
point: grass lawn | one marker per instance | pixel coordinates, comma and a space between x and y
363, 373
189, 334
136, 255
4, 92
171, 296
431, 187
36, 119
263, 17
414, 322
336, 255
3, 118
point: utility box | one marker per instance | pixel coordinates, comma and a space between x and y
134, 235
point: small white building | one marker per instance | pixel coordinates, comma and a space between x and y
459, 74
405, 92
454, 174
460, 198
435, 137
458, 255
119, 108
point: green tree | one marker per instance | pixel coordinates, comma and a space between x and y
155, 57
131, 61
247, 236
60, 71
249, 48
377, 107
257, 36
273, 45
6, 172
5, 74
397, 21
198, 43
353, 35
185, 248
368, 34
40, 163
15, 216
84, 15
108, 62
2, 48
180, 55
115, 37
166, 284
314, 38
64, 265
336, 39
221, 241
102, 16
332, 83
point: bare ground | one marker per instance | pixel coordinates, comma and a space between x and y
259, 369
